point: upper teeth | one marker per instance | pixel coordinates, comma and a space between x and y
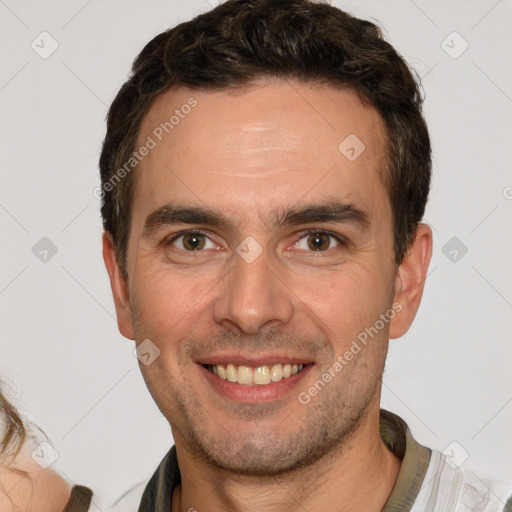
260, 375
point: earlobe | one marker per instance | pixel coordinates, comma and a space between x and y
119, 288
410, 281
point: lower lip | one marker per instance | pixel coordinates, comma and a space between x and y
255, 393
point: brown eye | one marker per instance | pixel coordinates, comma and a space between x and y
191, 242
318, 241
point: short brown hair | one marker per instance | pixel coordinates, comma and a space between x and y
241, 41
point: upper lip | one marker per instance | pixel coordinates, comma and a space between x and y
252, 359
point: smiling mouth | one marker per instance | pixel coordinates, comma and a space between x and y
250, 376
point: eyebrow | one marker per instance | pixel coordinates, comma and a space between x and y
329, 211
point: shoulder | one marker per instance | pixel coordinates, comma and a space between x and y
26, 486
448, 486
79, 500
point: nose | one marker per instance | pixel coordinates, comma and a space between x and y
252, 296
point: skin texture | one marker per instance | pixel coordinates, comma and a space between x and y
34, 490
249, 154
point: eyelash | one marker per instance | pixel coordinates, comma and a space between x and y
339, 238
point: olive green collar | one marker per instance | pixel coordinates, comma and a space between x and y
415, 460
394, 432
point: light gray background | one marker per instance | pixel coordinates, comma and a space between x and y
69, 369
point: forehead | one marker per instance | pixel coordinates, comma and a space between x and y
251, 150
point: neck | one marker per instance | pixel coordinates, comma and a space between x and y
359, 475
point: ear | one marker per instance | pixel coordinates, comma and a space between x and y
119, 288
410, 281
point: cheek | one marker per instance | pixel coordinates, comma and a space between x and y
168, 304
345, 300
172, 305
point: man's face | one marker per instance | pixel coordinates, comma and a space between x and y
260, 289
